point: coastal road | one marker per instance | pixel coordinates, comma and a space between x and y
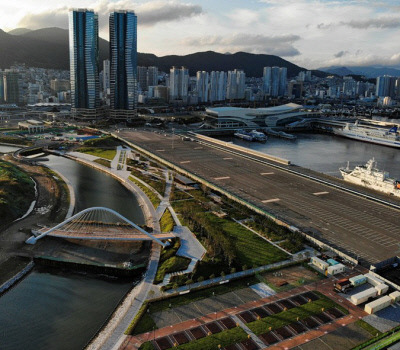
360, 227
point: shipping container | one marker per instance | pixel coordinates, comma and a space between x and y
363, 296
379, 304
335, 269
395, 296
372, 279
321, 264
358, 280
343, 285
382, 288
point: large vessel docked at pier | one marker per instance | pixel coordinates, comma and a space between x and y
387, 137
253, 135
369, 176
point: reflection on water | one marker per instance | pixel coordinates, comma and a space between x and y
94, 188
326, 153
56, 311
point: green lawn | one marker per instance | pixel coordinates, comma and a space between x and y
372, 330
167, 222
149, 193
214, 341
245, 242
16, 192
173, 264
103, 162
298, 313
99, 152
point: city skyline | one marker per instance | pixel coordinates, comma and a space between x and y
311, 34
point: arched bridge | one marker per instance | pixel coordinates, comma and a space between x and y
100, 223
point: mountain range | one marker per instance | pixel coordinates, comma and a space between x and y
368, 71
49, 48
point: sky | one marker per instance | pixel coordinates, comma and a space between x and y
309, 33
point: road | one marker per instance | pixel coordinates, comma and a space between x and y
360, 227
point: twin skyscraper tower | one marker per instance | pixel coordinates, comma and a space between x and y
84, 64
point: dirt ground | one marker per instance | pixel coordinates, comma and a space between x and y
50, 195
293, 276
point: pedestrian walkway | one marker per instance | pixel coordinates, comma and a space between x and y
256, 339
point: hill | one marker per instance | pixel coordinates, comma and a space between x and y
48, 48
19, 31
367, 71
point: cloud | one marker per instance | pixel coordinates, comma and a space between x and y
380, 23
161, 11
256, 43
324, 26
149, 14
341, 54
52, 18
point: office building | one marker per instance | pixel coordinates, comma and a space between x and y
123, 64
1, 87
178, 83
11, 87
84, 63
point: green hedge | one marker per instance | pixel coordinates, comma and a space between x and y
136, 319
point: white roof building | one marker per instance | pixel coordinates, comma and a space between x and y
257, 117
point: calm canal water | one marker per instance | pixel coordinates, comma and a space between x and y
327, 153
54, 310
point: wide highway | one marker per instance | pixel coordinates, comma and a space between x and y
363, 228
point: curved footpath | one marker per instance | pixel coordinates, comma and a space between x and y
112, 335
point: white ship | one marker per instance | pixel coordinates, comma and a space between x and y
387, 137
369, 176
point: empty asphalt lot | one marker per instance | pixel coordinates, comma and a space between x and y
361, 227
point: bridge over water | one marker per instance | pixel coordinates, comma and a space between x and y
99, 223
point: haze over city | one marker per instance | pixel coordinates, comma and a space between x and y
309, 33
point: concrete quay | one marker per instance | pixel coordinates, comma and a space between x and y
361, 227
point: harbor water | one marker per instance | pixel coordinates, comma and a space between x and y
326, 153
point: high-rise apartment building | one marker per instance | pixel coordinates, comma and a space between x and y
202, 82
267, 80
178, 83
123, 64
275, 81
106, 76
84, 63
218, 81
142, 78
385, 86
147, 76
152, 76
236, 84
282, 81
